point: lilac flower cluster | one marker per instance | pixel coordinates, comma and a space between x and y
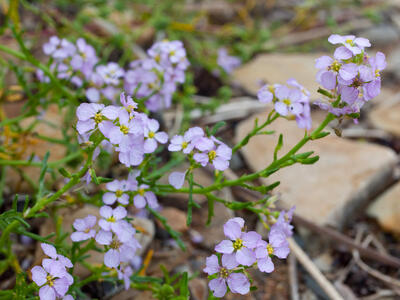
131, 133
227, 62
291, 100
52, 276
156, 78
73, 62
201, 149
351, 76
242, 250
116, 234
119, 190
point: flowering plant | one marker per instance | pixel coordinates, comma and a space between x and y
116, 114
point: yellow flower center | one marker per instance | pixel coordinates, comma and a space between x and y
141, 192
119, 193
336, 66
184, 145
86, 230
157, 58
124, 129
151, 134
271, 88
50, 280
238, 244
350, 42
287, 101
377, 74
223, 273
270, 249
98, 118
111, 219
130, 107
115, 244
212, 155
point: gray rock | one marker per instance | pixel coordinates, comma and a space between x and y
347, 174
381, 35
386, 209
278, 68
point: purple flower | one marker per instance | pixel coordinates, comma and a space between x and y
122, 245
227, 62
125, 274
117, 192
85, 58
111, 217
237, 282
110, 73
52, 281
152, 136
350, 42
186, 142
177, 179
240, 243
51, 251
91, 115
59, 49
277, 246
52, 277
144, 196
288, 101
266, 94
218, 155
84, 229
128, 103
283, 223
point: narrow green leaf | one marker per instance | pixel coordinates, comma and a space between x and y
190, 203
278, 146
210, 202
216, 127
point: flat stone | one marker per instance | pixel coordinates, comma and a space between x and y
386, 209
381, 35
332, 189
51, 126
387, 117
278, 68
214, 233
175, 218
198, 288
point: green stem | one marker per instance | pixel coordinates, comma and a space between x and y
270, 169
68, 158
254, 132
39, 65
43, 202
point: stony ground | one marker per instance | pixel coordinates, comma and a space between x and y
349, 200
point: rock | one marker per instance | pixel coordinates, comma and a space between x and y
324, 262
68, 216
133, 294
393, 62
175, 218
50, 126
198, 289
278, 68
386, 209
214, 233
330, 191
386, 117
381, 35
